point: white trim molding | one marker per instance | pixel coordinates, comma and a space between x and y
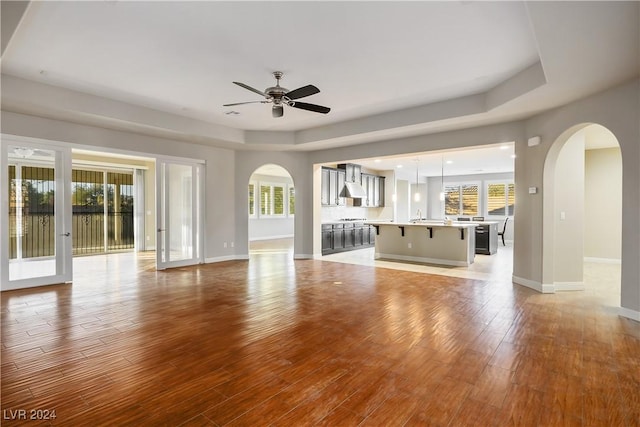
303, 256
629, 314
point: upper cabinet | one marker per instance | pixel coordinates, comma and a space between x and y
325, 194
352, 172
373, 185
333, 181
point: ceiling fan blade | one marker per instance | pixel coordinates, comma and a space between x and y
301, 92
259, 92
310, 107
240, 103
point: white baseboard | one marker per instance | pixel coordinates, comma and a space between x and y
569, 286
629, 314
226, 258
603, 260
282, 236
302, 256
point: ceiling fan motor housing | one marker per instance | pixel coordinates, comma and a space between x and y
277, 111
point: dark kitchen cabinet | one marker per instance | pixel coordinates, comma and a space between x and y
368, 235
327, 238
349, 237
340, 237
359, 233
487, 238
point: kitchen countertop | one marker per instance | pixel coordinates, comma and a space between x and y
462, 224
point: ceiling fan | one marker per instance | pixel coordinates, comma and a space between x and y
280, 96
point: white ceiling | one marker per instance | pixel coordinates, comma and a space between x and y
498, 158
386, 69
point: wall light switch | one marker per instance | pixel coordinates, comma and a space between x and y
563, 215
533, 190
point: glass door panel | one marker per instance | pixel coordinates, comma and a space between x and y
120, 211
178, 213
36, 244
87, 198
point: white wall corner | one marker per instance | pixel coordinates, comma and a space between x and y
629, 314
569, 286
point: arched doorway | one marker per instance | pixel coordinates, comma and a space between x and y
582, 229
271, 216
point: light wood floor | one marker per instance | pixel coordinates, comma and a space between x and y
272, 341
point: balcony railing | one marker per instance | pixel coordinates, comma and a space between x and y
88, 233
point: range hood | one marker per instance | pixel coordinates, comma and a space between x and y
353, 190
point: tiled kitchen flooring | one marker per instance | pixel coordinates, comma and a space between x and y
272, 341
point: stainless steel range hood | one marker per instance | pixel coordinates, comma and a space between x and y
352, 190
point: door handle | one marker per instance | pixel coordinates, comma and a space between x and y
67, 234
160, 229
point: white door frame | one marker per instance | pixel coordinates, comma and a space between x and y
163, 212
62, 207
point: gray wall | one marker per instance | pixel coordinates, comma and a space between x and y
569, 212
603, 204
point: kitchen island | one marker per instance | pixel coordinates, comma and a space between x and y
426, 242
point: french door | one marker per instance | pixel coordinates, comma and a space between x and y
35, 219
179, 187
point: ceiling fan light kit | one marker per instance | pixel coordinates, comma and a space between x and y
280, 96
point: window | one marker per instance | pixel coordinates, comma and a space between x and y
252, 199
501, 199
461, 199
272, 202
278, 200
271, 199
292, 200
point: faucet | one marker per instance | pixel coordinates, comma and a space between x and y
419, 215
